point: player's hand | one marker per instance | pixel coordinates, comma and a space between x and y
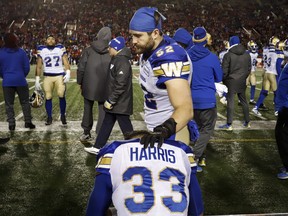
108, 104
66, 78
37, 83
160, 133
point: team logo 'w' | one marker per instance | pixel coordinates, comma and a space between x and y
111, 66
172, 69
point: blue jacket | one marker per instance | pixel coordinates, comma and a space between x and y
281, 99
206, 71
14, 67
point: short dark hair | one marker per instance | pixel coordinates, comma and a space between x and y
11, 40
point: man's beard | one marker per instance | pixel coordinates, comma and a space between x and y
145, 49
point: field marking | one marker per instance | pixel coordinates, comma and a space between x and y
76, 140
75, 126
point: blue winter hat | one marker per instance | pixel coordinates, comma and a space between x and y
117, 43
143, 20
199, 35
234, 40
182, 36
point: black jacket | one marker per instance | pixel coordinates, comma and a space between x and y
120, 89
93, 68
236, 67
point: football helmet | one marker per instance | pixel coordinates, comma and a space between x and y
273, 41
280, 45
252, 46
226, 44
36, 100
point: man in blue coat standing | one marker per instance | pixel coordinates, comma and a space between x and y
14, 67
281, 129
206, 71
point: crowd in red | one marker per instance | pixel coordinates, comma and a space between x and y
77, 22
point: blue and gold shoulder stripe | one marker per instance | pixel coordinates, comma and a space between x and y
170, 60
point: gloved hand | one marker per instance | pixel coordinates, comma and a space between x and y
161, 132
37, 83
193, 130
66, 78
109, 104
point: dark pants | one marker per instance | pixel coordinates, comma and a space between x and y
206, 120
281, 135
9, 96
230, 106
87, 120
108, 124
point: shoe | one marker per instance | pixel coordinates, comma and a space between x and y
12, 127
256, 112
283, 174
49, 121
262, 107
63, 119
223, 100
85, 137
202, 162
4, 140
276, 113
30, 125
92, 150
252, 102
226, 127
247, 124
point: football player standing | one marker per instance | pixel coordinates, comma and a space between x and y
164, 71
273, 63
52, 57
252, 50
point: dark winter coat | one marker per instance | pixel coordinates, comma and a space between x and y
93, 67
120, 89
236, 67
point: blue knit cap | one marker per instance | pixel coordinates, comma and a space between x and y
143, 20
199, 35
117, 43
234, 40
183, 36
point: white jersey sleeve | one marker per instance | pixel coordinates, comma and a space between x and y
152, 181
52, 59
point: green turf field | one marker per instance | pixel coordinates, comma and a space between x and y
47, 172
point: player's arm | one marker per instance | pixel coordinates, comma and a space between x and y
101, 196
38, 73
38, 66
65, 60
196, 206
180, 98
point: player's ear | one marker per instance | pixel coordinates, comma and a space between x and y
155, 34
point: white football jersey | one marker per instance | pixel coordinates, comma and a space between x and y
265, 52
52, 59
221, 55
168, 61
149, 182
253, 61
271, 60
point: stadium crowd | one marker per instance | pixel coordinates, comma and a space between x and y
76, 23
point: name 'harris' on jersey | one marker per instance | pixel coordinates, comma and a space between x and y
139, 184
167, 62
52, 59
